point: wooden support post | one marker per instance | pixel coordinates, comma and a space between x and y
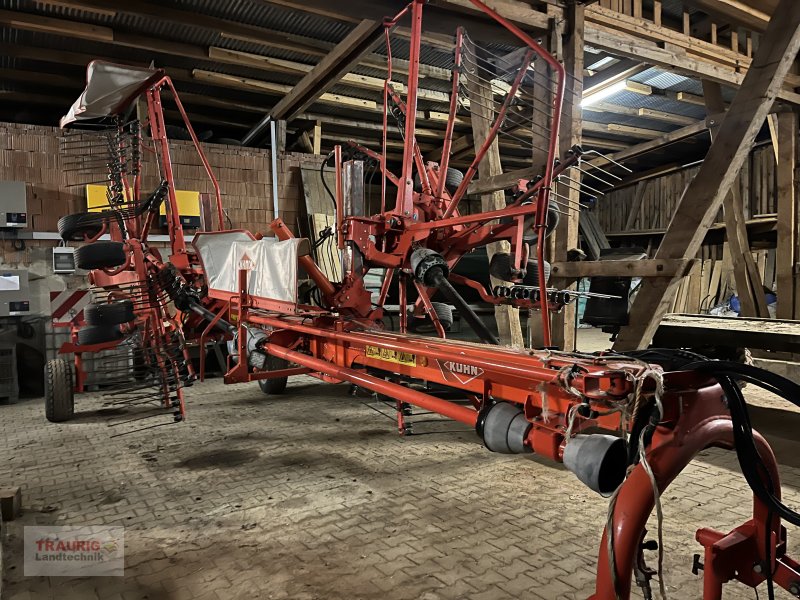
704, 195
317, 138
480, 92
280, 137
636, 205
745, 271
566, 234
305, 142
786, 256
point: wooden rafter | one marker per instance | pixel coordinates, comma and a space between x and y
337, 63
704, 195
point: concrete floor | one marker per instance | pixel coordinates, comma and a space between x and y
313, 495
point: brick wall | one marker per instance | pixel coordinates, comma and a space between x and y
31, 154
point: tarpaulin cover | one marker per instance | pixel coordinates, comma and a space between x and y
109, 88
271, 264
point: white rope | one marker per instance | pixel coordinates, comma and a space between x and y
658, 377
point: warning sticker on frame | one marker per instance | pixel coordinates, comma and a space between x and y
393, 356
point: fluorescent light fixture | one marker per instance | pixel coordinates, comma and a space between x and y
603, 62
604, 93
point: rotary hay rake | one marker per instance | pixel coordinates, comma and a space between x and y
145, 305
658, 409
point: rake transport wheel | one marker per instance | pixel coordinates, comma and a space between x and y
98, 334
75, 226
452, 180
59, 397
277, 385
100, 255
109, 313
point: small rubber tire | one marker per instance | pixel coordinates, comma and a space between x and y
100, 255
452, 180
98, 334
530, 235
278, 384
533, 271
500, 267
425, 325
59, 395
445, 314
78, 226
496, 426
109, 313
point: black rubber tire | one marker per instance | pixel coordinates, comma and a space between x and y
75, 226
109, 313
500, 267
453, 179
425, 325
496, 426
277, 385
451, 182
445, 314
98, 334
100, 255
533, 272
530, 236
59, 396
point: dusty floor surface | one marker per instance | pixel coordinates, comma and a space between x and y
313, 495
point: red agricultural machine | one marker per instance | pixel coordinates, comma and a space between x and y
626, 425
147, 300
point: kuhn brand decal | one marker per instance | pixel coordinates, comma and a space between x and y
458, 372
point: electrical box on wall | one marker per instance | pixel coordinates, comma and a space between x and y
63, 260
15, 297
13, 205
188, 205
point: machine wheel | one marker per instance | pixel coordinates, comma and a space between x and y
500, 267
445, 314
442, 310
100, 255
530, 236
59, 397
533, 271
111, 313
98, 334
452, 180
498, 424
277, 385
74, 227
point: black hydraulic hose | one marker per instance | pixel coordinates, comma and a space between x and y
753, 467
726, 372
210, 316
440, 281
325, 183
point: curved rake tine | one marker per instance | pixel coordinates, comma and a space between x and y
609, 159
608, 183
582, 185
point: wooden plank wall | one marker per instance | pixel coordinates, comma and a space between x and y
711, 279
757, 183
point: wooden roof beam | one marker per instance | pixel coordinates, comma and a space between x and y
703, 197
640, 40
336, 64
654, 144
735, 11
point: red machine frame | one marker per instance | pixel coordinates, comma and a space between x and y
154, 320
558, 394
